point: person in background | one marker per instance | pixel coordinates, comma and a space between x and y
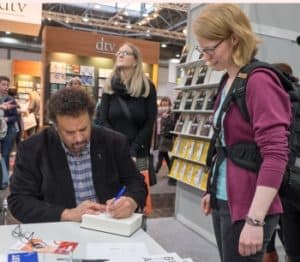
289, 227
73, 168
75, 82
13, 93
34, 107
9, 106
165, 124
128, 103
245, 206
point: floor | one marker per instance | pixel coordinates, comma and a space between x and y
169, 232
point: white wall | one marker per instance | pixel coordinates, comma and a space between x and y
5, 68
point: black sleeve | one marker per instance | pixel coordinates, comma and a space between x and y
26, 201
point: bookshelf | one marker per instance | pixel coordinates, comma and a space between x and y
196, 88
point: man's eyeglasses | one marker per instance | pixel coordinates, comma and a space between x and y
123, 53
208, 50
27, 237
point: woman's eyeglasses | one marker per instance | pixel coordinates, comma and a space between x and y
123, 53
208, 50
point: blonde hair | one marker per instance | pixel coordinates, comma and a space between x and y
138, 83
221, 21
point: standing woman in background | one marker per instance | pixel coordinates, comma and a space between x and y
245, 205
128, 103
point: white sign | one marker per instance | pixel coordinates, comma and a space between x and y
21, 11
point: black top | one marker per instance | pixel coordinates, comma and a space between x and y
139, 128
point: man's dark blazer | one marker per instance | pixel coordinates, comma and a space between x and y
41, 185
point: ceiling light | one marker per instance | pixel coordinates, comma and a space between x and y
145, 14
177, 55
85, 18
163, 45
125, 13
67, 20
184, 31
128, 25
148, 33
97, 6
7, 32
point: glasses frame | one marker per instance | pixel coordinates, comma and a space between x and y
208, 50
124, 53
26, 237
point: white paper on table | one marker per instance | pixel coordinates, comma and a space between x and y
125, 252
168, 257
3, 257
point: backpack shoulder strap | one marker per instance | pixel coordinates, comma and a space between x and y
240, 84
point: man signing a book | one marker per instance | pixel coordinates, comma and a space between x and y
73, 168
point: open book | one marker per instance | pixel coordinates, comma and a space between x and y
119, 226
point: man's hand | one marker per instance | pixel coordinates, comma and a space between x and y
251, 240
121, 208
86, 207
8, 105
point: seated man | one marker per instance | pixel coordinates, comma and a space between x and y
72, 168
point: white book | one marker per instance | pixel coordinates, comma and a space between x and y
106, 223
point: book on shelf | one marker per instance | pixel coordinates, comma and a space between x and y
200, 74
119, 226
179, 124
197, 151
175, 168
203, 181
182, 169
199, 100
104, 72
189, 76
57, 67
197, 177
188, 173
184, 54
190, 149
206, 128
204, 152
194, 127
176, 145
188, 100
187, 124
178, 100
210, 99
87, 70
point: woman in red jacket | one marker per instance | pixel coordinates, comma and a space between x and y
245, 206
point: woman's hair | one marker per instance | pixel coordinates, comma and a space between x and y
73, 80
221, 21
165, 99
287, 69
137, 84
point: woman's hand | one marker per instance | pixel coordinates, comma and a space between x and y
251, 240
205, 204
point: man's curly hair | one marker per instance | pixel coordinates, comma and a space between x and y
70, 102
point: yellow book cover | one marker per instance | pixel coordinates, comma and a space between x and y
197, 151
189, 173
174, 168
203, 181
182, 148
190, 150
182, 170
176, 145
204, 153
197, 177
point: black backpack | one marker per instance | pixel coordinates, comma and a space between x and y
246, 155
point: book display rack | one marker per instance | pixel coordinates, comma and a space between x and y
197, 88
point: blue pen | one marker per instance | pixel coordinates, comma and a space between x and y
121, 193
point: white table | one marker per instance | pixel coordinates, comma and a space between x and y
71, 231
